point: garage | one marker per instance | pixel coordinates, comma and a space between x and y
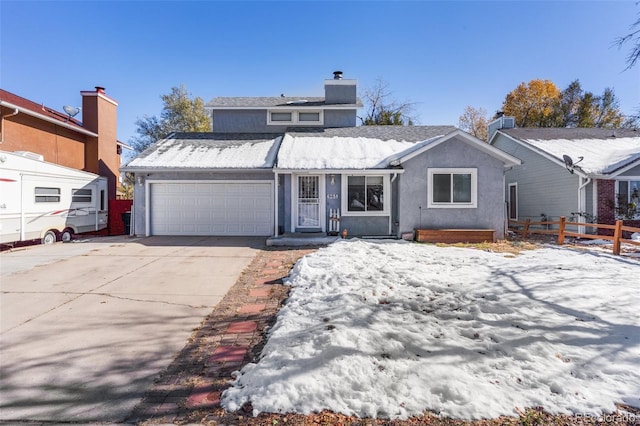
240, 208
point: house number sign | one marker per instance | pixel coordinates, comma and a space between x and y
332, 196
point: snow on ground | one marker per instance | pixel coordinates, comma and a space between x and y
390, 329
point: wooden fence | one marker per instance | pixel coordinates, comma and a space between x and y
524, 227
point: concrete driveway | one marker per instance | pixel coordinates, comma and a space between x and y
86, 327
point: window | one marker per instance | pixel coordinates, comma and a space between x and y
628, 198
452, 188
81, 195
365, 194
47, 195
294, 117
309, 116
281, 116
513, 201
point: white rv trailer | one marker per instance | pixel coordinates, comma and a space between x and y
46, 201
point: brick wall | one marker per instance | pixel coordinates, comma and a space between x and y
606, 195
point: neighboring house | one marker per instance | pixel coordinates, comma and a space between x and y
292, 166
90, 145
579, 173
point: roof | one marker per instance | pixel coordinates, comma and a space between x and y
274, 102
604, 151
209, 151
353, 148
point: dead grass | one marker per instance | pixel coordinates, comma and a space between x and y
502, 246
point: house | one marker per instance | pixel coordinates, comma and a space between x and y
283, 165
90, 145
586, 174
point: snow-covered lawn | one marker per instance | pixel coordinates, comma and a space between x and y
390, 329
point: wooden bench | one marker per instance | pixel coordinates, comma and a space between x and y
455, 235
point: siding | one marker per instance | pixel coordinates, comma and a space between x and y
412, 198
255, 121
633, 172
543, 186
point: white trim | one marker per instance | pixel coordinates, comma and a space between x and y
276, 206
386, 193
99, 95
515, 185
340, 171
49, 119
295, 117
625, 168
453, 170
507, 159
149, 182
322, 183
340, 82
594, 196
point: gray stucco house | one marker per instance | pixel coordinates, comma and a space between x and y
579, 173
282, 165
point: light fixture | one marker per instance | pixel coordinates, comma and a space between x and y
140, 180
333, 179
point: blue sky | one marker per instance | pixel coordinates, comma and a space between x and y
441, 55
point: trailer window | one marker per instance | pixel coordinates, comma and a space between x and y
81, 195
47, 195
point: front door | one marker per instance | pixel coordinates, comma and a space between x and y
309, 200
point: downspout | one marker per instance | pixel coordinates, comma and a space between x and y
581, 187
275, 204
395, 176
14, 113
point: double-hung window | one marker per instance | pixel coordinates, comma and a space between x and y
365, 194
452, 188
47, 195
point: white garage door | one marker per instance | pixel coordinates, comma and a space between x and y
211, 208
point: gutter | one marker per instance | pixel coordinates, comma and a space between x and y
15, 112
48, 119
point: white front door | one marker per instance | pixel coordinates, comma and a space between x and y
308, 202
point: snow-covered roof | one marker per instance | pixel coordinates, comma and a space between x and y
210, 151
353, 148
604, 151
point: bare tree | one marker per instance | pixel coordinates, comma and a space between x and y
632, 38
474, 121
381, 109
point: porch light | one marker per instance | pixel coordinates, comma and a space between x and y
333, 179
140, 180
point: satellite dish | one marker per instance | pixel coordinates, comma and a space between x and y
568, 162
71, 111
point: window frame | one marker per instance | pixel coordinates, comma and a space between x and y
295, 117
84, 196
56, 192
629, 192
452, 204
386, 195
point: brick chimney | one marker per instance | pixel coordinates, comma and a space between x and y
99, 115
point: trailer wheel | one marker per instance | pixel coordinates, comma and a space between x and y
67, 235
50, 237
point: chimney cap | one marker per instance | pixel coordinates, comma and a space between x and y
99, 89
337, 75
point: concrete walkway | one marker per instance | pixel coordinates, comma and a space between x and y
83, 335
